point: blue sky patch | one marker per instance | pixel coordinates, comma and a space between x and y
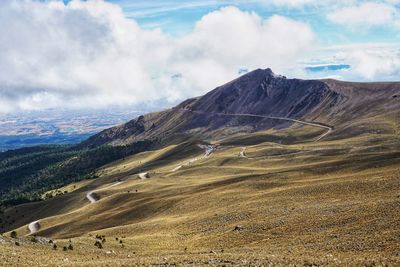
329, 67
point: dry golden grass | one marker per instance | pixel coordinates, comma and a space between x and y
334, 203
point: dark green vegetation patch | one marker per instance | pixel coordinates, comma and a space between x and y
25, 174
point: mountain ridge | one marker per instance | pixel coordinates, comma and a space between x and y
260, 92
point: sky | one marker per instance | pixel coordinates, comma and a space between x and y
141, 53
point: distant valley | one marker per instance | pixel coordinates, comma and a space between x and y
57, 127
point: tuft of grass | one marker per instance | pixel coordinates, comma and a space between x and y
13, 234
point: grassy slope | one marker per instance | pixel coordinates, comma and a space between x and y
332, 202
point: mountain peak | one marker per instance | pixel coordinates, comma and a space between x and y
260, 92
262, 73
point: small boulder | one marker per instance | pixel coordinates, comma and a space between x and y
238, 228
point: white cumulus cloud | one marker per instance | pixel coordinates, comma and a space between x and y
367, 62
364, 14
88, 54
376, 63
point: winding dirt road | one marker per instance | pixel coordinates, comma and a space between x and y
34, 227
242, 153
92, 197
314, 124
208, 150
143, 175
